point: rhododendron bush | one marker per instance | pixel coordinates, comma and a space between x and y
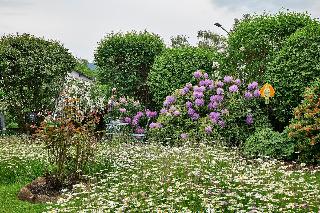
130, 111
225, 110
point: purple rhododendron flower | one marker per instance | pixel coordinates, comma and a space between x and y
213, 105
220, 84
199, 102
163, 111
139, 114
155, 125
176, 113
197, 74
199, 89
253, 85
127, 120
227, 79
184, 91
233, 88
184, 135
195, 116
188, 104
191, 111
122, 110
151, 114
221, 123
216, 98
139, 130
237, 81
202, 83
214, 116
220, 91
208, 129
205, 75
198, 94
256, 93
169, 100
249, 119
248, 95
135, 121
209, 82
211, 87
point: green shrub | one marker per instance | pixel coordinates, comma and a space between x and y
32, 72
174, 68
254, 41
267, 142
211, 110
297, 64
305, 126
124, 61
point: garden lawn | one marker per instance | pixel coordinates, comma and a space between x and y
151, 177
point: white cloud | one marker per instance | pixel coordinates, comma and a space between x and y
80, 24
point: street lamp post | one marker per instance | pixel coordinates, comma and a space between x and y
219, 25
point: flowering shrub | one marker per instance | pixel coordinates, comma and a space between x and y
68, 133
174, 67
305, 126
225, 109
70, 142
131, 111
85, 94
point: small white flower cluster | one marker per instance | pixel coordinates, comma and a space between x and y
82, 92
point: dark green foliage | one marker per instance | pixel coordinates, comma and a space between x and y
124, 61
209, 39
255, 39
305, 126
32, 72
174, 68
266, 142
179, 41
297, 64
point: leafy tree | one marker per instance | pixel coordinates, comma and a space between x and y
32, 72
179, 41
255, 40
209, 39
124, 61
293, 68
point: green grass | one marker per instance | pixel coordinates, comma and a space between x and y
135, 177
10, 204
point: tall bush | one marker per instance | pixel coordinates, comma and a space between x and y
225, 110
296, 64
124, 61
255, 39
32, 72
305, 126
174, 68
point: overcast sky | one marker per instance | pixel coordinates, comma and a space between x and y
80, 24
